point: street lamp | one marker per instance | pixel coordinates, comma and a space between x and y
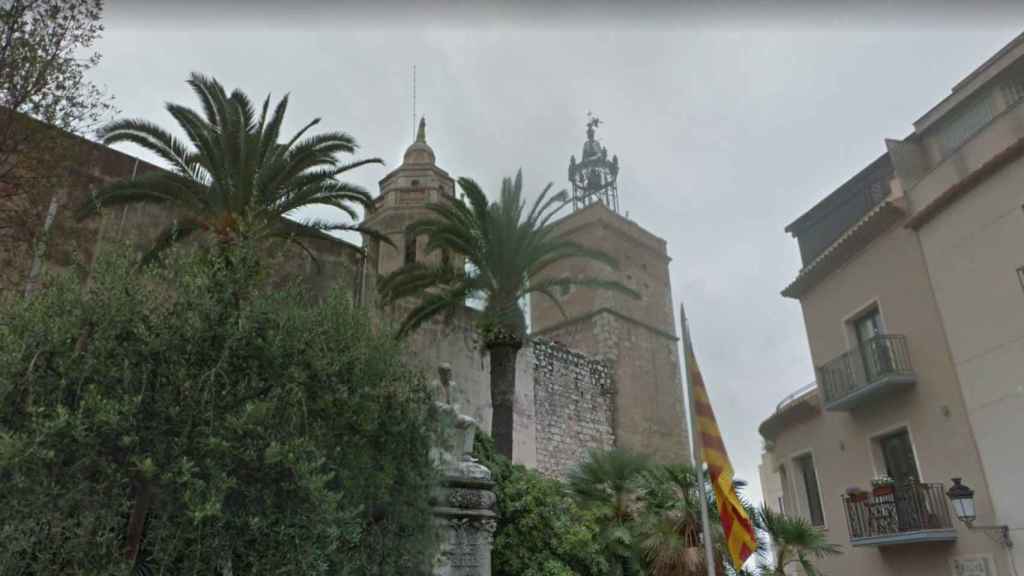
962, 498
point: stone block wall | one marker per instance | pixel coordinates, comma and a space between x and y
574, 399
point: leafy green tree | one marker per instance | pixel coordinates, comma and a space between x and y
609, 485
146, 422
541, 530
235, 178
795, 542
507, 248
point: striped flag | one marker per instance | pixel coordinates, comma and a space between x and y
739, 531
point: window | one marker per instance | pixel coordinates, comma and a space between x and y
784, 479
446, 258
410, 248
809, 478
876, 355
1013, 92
972, 117
898, 457
868, 326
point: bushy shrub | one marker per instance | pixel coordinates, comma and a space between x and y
269, 433
541, 531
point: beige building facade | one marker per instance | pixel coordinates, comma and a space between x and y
913, 300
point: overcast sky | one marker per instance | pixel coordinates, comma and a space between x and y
728, 123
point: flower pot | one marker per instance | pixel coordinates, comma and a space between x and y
884, 490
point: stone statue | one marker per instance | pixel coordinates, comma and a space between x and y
464, 501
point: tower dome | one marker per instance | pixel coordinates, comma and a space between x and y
420, 152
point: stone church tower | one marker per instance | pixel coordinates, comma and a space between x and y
638, 336
404, 194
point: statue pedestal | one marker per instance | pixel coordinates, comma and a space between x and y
463, 512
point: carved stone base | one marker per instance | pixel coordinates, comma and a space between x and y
463, 511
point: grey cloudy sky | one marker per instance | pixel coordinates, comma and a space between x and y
728, 123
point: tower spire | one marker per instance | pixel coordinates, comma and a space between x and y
421, 132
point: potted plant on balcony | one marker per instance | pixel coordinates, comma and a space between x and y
882, 486
856, 494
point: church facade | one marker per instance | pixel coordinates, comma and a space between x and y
605, 374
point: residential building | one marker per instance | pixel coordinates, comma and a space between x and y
912, 291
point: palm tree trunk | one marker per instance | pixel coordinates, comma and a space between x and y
137, 519
503, 394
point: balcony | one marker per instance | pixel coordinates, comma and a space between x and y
881, 364
899, 515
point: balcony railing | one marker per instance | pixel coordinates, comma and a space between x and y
913, 512
883, 362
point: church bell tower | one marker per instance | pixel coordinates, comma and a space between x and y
404, 195
636, 336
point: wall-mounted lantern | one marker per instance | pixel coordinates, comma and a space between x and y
962, 499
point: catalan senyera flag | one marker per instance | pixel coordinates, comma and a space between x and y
739, 531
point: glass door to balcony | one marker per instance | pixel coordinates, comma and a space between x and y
898, 454
910, 502
874, 350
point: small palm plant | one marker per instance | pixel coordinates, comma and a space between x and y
609, 484
795, 541
669, 530
506, 247
235, 178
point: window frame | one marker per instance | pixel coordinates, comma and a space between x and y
878, 458
804, 496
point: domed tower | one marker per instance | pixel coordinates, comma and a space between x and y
637, 336
404, 195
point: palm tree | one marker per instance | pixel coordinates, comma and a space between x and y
795, 541
507, 247
669, 531
235, 178
609, 484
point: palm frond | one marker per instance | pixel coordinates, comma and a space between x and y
233, 170
507, 247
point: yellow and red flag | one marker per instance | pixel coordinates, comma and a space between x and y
739, 531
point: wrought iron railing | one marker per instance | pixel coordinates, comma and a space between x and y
897, 510
879, 357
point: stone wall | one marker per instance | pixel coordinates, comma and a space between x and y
637, 336
574, 406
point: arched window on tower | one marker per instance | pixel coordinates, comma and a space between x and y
410, 248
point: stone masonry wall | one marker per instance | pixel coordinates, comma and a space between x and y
574, 406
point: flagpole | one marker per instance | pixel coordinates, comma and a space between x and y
698, 460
